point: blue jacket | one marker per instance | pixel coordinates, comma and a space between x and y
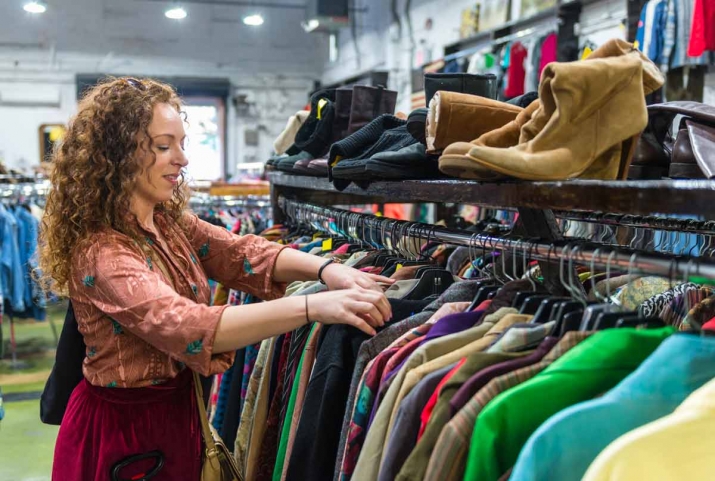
13, 279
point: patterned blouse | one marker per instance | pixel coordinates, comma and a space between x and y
141, 328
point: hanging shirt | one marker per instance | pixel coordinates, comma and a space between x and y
677, 37
651, 29
702, 35
13, 279
548, 51
674, 448
141, 330
516, 71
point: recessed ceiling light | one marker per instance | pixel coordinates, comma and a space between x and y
35, 7
253, 20
176, 13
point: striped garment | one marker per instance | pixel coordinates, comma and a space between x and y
449, 457
369, 385
522, 337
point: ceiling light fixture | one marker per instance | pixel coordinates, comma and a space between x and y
35, 7
255, 20
176, 13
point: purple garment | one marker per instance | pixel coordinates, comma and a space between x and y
480, 379
451, 324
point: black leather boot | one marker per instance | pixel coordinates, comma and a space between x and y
343, 105
484, 85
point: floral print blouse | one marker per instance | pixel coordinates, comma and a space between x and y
141, 328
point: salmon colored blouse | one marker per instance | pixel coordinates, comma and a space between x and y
141, 328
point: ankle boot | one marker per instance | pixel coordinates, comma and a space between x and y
455, 160
343, 104
368, 103
590, 114
455, 117
484, 85
316, 133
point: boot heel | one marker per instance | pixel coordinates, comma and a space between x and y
628, 149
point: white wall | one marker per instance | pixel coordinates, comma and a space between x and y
19, 125
274, 98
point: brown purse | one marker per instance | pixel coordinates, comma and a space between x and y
219, 464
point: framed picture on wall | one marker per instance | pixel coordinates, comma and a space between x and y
49, 135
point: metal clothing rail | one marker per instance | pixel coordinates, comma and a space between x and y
369, 228
689, 226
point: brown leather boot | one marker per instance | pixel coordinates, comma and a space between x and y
456, 117
368, 103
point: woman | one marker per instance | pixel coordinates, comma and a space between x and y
117, 239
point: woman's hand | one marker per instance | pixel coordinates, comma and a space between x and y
337, 276
362, 308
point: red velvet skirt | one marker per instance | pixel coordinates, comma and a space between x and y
105, 426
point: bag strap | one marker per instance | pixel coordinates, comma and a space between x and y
198, 390
204, 418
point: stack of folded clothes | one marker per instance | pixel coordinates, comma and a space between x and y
587, 121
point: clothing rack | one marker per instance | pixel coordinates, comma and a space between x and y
369, 228
201, 199
690, 226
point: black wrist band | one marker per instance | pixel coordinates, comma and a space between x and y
322, 268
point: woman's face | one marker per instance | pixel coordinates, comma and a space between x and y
162, 170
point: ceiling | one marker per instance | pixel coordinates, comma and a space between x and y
138, 28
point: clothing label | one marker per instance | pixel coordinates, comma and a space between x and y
327, 245
399, 266
321, 103
586, 53
338, 158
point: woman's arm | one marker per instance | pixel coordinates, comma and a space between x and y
293, 265
243, 325
252, 264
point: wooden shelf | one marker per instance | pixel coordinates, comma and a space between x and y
687, 197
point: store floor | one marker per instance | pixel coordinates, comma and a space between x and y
27, 445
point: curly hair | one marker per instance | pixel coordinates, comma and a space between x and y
95, 168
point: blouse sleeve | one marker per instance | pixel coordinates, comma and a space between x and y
113, 276
244, 263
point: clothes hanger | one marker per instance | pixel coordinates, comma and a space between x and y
543, 313
532, 303
606, 320
433, 281
484, 291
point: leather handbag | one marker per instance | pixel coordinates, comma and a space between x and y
219, 463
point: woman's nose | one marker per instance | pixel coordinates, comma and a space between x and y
181, 159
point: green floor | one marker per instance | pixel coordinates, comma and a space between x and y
27, 445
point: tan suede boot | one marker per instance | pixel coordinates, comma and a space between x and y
589, 109
457, 117
456, 162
